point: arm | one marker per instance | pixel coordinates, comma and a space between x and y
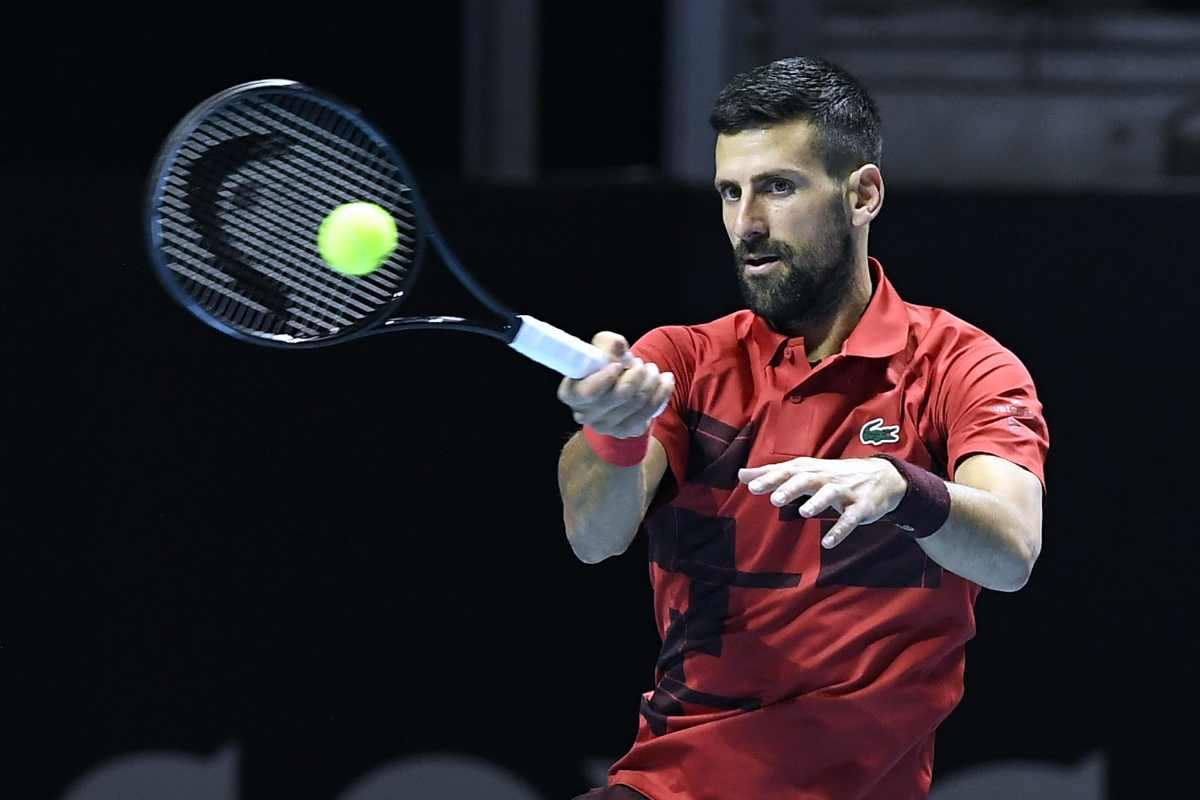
986, 525
996, 434
994, 532
992, 535
603, 503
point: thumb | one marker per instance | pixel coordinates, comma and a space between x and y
613, 344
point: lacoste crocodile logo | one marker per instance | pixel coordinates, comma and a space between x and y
876, 433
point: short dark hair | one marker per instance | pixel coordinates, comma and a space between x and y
811, 89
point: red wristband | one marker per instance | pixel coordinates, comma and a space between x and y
619, 452
926, 503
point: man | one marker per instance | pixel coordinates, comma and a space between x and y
827, 479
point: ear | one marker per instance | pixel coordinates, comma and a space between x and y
864, 189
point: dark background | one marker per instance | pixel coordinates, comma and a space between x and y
340, 557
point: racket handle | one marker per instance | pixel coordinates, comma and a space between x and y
560, 351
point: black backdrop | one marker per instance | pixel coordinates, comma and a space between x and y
339, 557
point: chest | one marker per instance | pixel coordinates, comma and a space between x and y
845, 408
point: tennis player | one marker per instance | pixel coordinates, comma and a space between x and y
827, 479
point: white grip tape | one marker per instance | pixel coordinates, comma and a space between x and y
560, 351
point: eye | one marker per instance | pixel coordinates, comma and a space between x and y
729, 192
780, 186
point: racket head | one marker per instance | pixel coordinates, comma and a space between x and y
236, 197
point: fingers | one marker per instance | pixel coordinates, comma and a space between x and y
841, 485
622, 398
639, 396
747, 474
768, 480
663, 396
768, 477
648, 402
586, 391
788, 468
825, 497
794, 487
637, 384
623, 395
612, 343
850, 519
619, 401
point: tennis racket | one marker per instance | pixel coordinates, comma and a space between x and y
235, 199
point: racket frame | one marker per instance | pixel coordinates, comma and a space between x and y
384, 318
529, 336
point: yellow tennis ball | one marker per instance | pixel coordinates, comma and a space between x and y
355, 238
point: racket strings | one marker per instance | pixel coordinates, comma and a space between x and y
365, 169
241, 205
299, 196
256, 245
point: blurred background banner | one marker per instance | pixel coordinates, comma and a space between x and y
236, 572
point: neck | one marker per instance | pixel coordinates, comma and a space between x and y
824, 337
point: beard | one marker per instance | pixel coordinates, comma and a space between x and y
812, 279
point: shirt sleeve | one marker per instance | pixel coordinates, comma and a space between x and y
671, 349
990, 405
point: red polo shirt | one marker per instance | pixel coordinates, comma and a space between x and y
788, 670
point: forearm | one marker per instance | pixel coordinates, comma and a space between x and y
603, 504
984, 540
986, 527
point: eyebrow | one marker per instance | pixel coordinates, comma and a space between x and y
774, 173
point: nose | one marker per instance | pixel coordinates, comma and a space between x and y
749, 225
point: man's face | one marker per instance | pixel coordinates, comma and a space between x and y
787, 223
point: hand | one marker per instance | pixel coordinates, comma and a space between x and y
622, 398
861, 489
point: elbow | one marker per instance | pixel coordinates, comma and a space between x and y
590, 555
586, 548
1020, 568
1012, 579
1015, 582
590, 558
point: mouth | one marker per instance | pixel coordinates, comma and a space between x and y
756, 265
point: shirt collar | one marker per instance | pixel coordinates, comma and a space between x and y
881, 332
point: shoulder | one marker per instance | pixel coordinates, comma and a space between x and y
966, 365
952, 344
